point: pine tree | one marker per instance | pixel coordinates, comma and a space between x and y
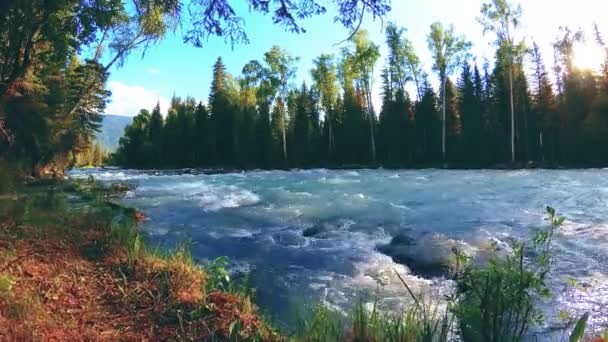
484, 135
428, 125
134, 148
453, 124
156, 135
352, 134
200, 139
279, 129
303, 128
471, 110
171, 134
222, 117
386, 114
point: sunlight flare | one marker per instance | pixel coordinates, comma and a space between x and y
588, 56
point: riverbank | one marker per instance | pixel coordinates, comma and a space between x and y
74, 267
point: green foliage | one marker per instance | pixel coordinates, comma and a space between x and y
50, 101
578, 333
448, 52
6, 284
322, 325
51, 104
497, 302
259, 120
425, 322
94, 155
219, 277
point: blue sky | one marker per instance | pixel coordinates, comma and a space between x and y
173, 67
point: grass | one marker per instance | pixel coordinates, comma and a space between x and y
424, 321
72, 269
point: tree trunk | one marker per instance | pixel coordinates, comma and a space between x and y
443, 154
512, 114
284, 138
370, 109
417, 82
331, 136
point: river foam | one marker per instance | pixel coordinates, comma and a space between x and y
259, 219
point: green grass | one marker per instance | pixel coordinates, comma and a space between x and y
365, 324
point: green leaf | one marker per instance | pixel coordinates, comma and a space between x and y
571, 281
579, 329
235, 328
6, 284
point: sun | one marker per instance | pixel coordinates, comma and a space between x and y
588, 56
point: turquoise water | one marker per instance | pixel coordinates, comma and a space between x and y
257, 219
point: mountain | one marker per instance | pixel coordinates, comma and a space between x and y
113, 127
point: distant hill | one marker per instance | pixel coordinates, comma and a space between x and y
111, 131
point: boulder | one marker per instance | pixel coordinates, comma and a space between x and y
121, 187
430, 255
314, 230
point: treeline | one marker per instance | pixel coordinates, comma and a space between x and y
481, 115
94, 155
52, 97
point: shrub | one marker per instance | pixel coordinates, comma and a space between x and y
498, 302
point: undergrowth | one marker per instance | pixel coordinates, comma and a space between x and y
160, 295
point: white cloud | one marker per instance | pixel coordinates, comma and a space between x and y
153, 71
129, 99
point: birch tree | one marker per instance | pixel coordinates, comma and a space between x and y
503, 19
448, 52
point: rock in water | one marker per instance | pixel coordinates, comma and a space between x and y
121, 187
402, 239
431, 255
314, 230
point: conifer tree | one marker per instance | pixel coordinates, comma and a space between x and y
222, 117
471, 111
156, 134
302, 127
428, 125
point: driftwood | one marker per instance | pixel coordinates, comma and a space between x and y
9, 197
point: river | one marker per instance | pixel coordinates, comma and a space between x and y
258, 219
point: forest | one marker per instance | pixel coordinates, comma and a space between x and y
77, 264
513, 111
56, 56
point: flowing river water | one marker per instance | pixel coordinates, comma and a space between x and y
313, 236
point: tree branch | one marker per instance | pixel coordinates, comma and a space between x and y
356, 28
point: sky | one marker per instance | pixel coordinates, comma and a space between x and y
173, 67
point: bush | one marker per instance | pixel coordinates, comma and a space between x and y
498, 302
